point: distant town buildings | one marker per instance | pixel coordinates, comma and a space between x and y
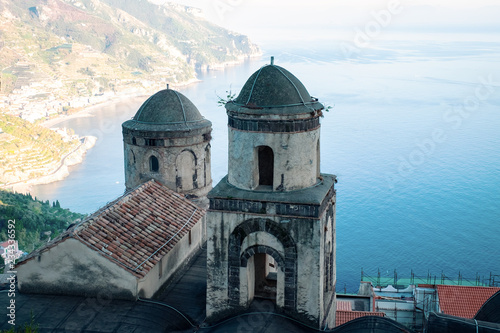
9, 250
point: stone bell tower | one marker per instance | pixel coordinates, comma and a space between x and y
168, 140
271, 222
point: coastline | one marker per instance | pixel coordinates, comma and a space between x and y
77, 155
89, 109
74, 157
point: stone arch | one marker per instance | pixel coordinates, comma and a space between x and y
249, 252
186, 170
289, 261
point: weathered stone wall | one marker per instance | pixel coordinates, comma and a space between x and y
328, 267
71, 268
295, 240
294, 167
184, 162
173, 261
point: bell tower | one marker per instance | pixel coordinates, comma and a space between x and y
271, 222
168, 140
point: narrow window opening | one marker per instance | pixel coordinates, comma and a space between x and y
134, 141
153, 142
189, 237
154, 165
266, 165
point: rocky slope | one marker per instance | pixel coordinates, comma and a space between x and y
90, 47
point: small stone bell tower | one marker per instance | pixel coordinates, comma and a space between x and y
271, 222
168, 140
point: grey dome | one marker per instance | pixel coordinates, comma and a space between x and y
273, 89
166, 107
167, 110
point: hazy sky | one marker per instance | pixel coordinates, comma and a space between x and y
265, 20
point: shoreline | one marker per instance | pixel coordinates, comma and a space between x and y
72, 158
77, 155
89, 109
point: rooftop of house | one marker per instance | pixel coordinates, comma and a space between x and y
136, 230
463, 301
344, 316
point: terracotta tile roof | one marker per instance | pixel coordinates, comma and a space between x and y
463, 301
342, 317
136, 230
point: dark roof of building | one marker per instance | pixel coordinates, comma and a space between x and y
167, 110
274, 90
136, 230
490, 310
442, 323
343, 316
463, 301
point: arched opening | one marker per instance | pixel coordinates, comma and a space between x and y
241, 272
154, 165
186, 171
266, 165
134, 140
266, 276
262, 275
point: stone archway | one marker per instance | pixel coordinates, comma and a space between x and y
289, 262
186, 171
263, 267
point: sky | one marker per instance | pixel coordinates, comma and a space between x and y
264, 20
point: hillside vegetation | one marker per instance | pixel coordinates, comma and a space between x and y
93, 46
28, 151
36, 221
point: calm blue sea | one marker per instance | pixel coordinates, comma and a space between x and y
413, 136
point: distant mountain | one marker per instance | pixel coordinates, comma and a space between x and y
95, 46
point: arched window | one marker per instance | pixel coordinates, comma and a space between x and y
266, 165
134, 140
154, 165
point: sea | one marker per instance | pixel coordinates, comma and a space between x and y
412, 133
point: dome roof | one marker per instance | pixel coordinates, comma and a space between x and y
275, 89
167, 110
166, 107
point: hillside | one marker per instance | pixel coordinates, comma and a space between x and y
28, 151
36, 221
57, 54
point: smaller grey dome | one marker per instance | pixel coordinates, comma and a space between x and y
167, 111
166, 107
274, 90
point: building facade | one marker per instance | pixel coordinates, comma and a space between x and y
271, 221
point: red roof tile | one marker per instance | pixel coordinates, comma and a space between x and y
463, 301
137, 229
342, 317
